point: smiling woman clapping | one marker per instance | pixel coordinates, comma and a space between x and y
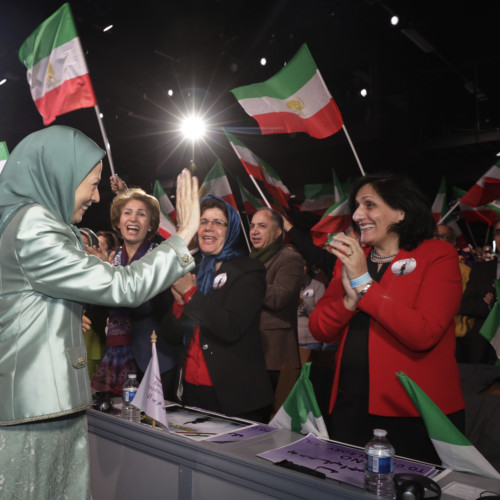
391, 305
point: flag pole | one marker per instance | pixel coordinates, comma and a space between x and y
470, 234
444, 217
105, 138
353, 150
487, 236
153, 341
245, 234
258, 189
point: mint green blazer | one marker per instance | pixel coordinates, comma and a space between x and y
45, 277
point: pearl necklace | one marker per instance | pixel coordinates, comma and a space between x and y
374, 255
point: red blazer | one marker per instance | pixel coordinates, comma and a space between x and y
412, 328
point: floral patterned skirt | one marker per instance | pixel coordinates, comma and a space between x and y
45, 460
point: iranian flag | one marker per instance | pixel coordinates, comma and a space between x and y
296, 99
439, 208
57, 72
300, 411
454, 449
491, 327
439, 204
217, 184
167, 212
459, 235
260, 170
250, 202
4, 154
318, 197
335, 220
485, 190
166, 205
486, 213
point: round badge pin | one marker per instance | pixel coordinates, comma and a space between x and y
403, 266
219, 281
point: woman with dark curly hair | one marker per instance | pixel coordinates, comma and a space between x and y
391, 305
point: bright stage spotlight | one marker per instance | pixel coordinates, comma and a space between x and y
193, 128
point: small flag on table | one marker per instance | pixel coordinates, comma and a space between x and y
454, 449
4, 154
300, 411
149, 397
491, 327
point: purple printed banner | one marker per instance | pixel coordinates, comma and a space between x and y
337, 461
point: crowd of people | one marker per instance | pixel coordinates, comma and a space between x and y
390, 294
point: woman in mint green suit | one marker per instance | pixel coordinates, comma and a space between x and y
47, 184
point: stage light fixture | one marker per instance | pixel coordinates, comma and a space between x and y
193, 128
394, 20
170, 92
263, 61
363, 92
3, 81
107, 28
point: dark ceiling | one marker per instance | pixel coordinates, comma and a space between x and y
432, 109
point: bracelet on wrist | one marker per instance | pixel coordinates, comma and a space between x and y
365, 278
365, 289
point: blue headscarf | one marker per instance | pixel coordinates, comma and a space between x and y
206, 271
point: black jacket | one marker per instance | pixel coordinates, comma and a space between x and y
229, 335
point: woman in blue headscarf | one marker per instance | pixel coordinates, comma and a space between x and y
216, 314
46, 186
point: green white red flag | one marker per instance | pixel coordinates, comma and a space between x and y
57, 72
4, 154
439, 204
318, 197
250, 202
296, 99
486, 213
216, 183
454, 449
485, 190
439, 208
259, 169
300, 411
335, 220
167, 212
491, 327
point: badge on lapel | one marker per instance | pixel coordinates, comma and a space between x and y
403, 266
219, 281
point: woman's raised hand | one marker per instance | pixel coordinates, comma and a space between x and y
187, 206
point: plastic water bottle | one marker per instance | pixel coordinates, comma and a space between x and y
129, 411
379, 467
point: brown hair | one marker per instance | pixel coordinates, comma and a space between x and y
123, 198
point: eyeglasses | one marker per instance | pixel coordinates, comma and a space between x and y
216, 223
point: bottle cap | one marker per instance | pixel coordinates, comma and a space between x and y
379, 432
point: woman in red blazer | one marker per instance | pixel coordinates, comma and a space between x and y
391, 305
